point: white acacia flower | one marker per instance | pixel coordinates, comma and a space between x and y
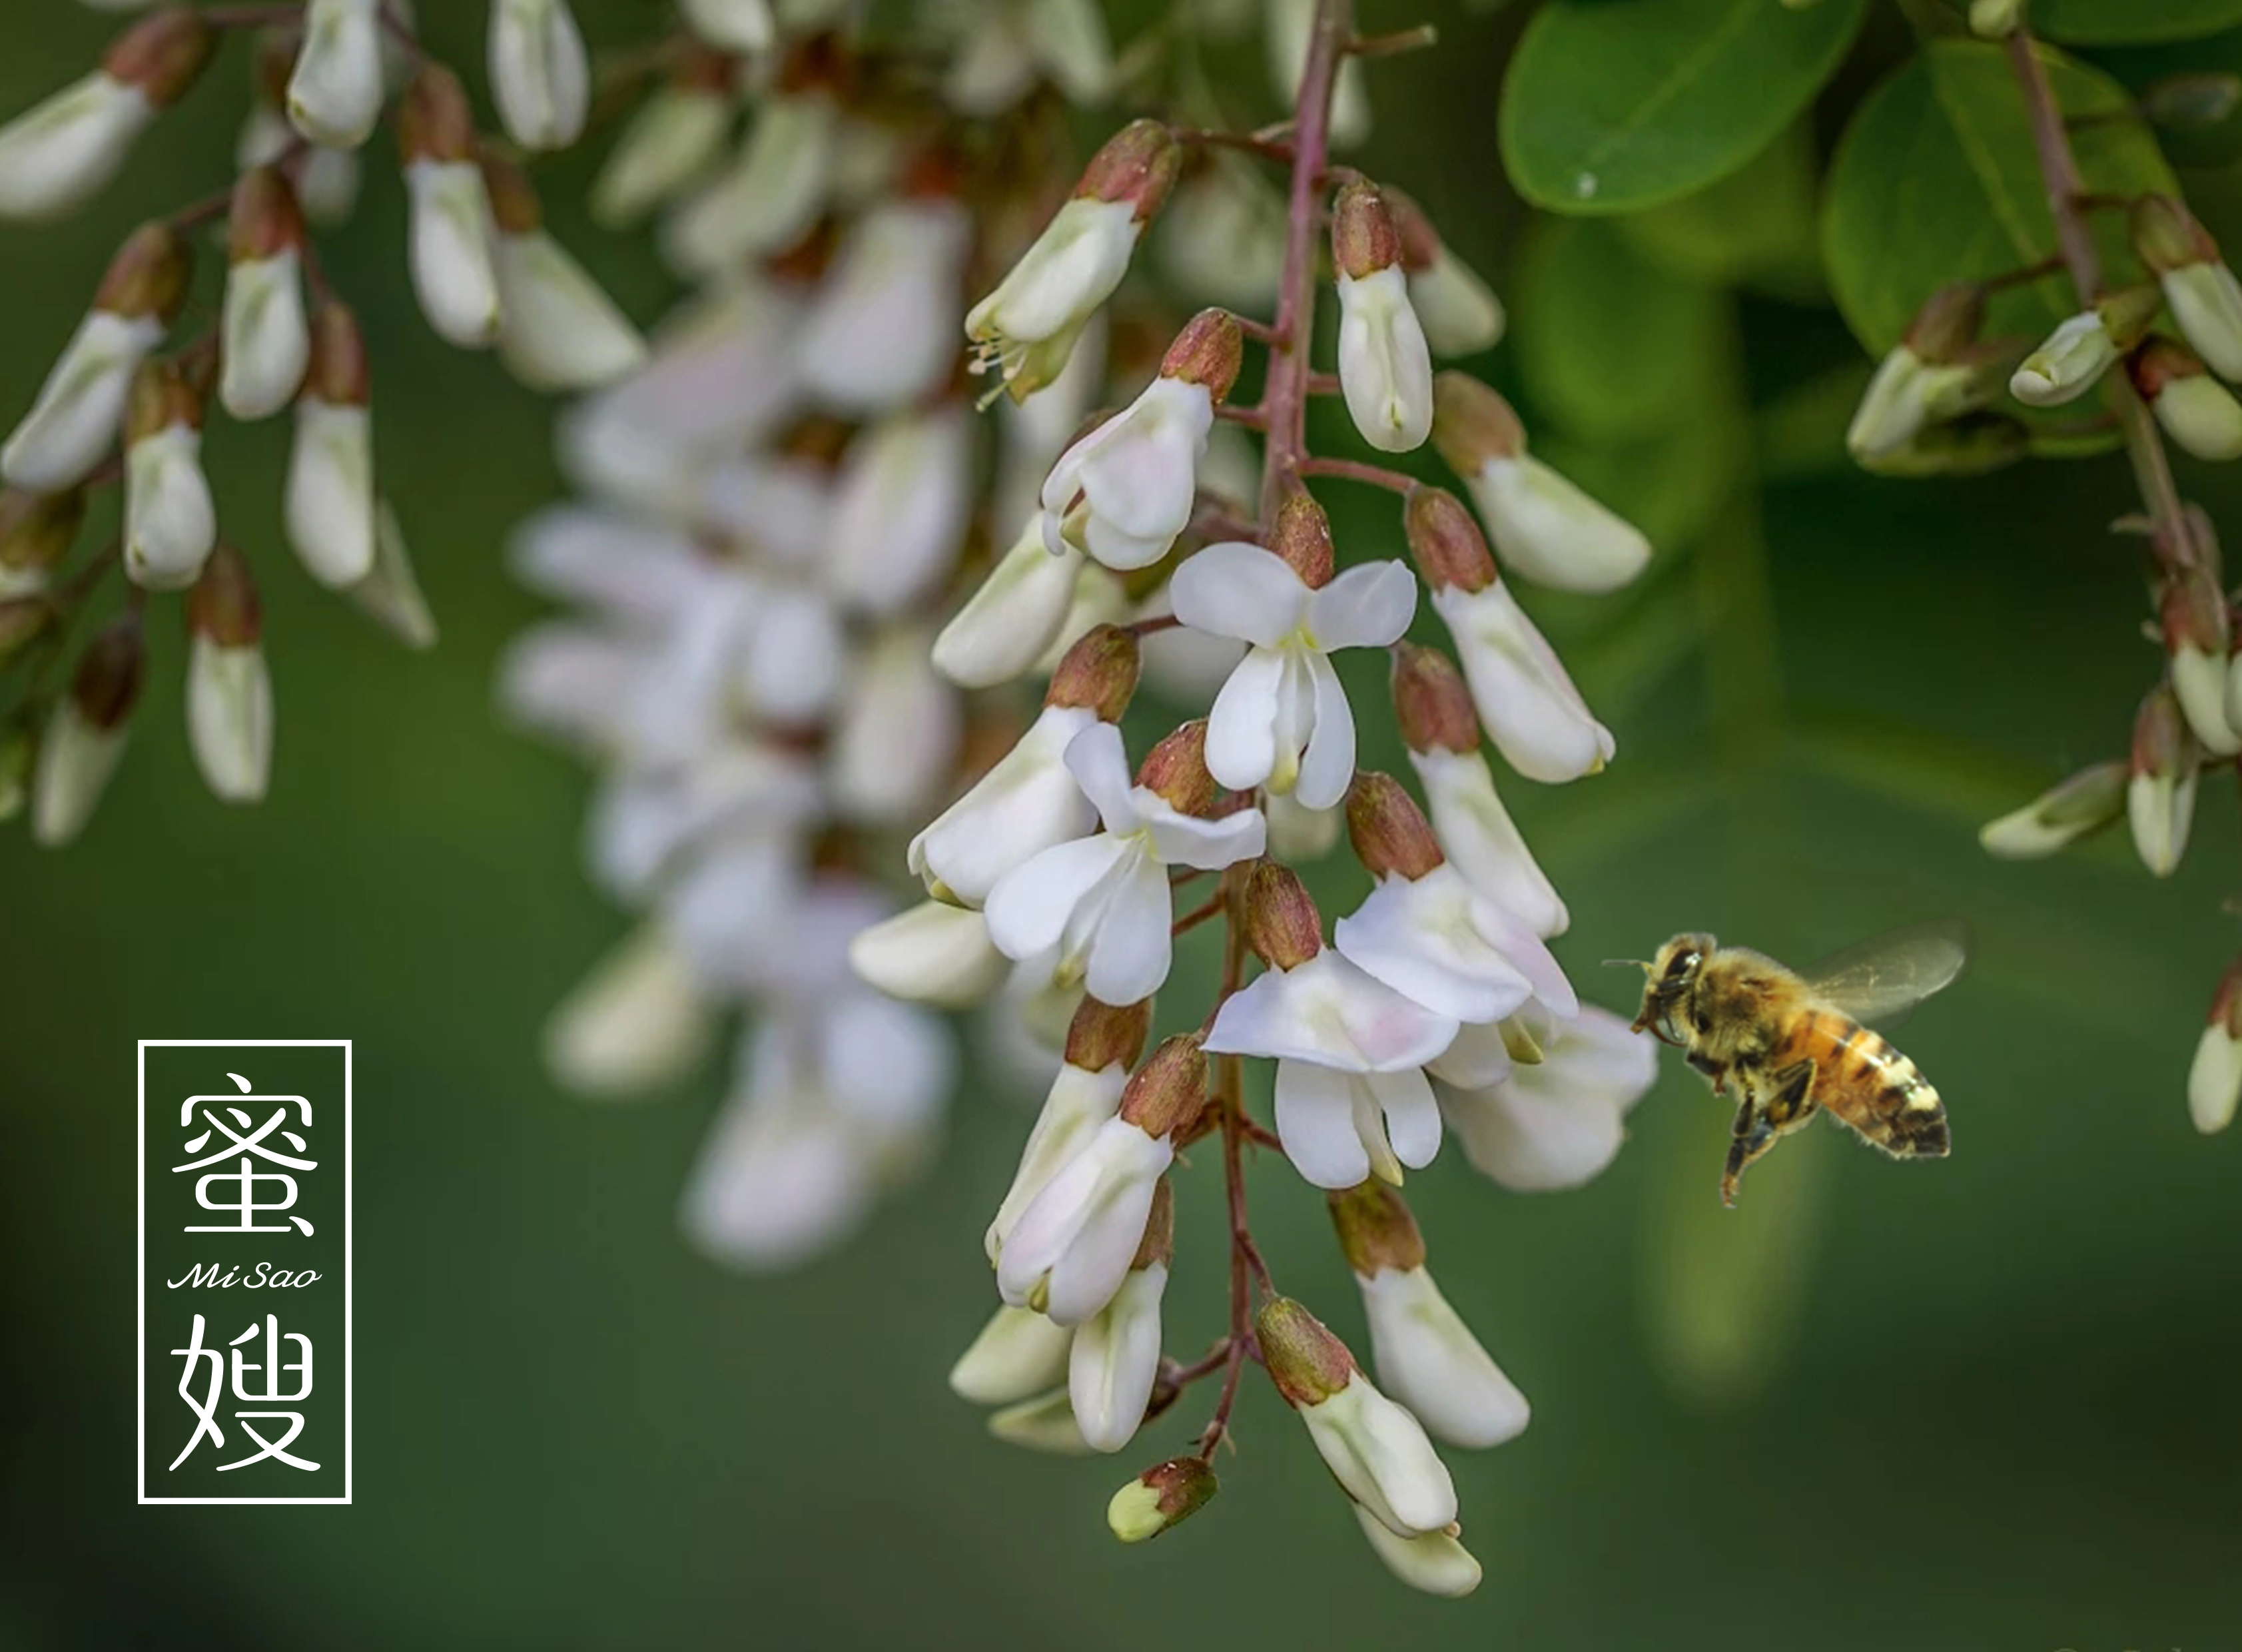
1070, 1252
736, 25
1476, 834
1104, 902
454, 254
1439, 941
1079, 1102
1433, 1561
638, 1020
325, 181
1013, 616
1458, 309
1556, 1122
832, 1106
1027, 803
63, 151
2065, 366
674, 136
170, 519
1532, 712
1351, 1097
1222, 238
1018, 1355
770, 194
557, 327
230, 718
880, 332
934, 953
330, 502
896, 734
1549, 530
1283, 719
335, 91
1114, 1359
266, 338
901, 508
2083, 804
84, 736
1028, 325
2205, 299
1044, 1423
1123, 491
539, 72
1385, 366
2160, 793
1006, 46
1428, 1357
1378, 1453
73, 424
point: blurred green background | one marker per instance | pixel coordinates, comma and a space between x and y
1986, 1403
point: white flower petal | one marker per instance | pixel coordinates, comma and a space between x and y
1241, 729
1130, 955
1327, 764
1233, 589
1365, 607
1030, 908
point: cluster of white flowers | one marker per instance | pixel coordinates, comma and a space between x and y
771, 507
1052, 883
484, 272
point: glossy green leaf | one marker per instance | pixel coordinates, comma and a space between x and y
1755, 227
1611, 105
2115, 22
1937, 181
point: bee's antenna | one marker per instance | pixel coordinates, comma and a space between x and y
1639, 964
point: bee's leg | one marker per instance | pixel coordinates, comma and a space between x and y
1790, 1096
1753, 1137
1715, 1071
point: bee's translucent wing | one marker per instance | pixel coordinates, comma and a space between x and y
1879, 981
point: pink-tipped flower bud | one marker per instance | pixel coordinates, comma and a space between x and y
1138, 164
1177, 769
1431, 702
1390, 834
84, 737
1302, 536
148, 278
1098, 673
1163, 1495
435, 120
1169, 1091
1208, 352
1283, 928
1157, 1247
229, 686
2196, 412
1307, 1362
1444, 542
163, 54
2214, 1081
224, 608
1363, 236
1472, 424
1106, 1035
1376, 1231
2160, 792
2205, 299
2194, 618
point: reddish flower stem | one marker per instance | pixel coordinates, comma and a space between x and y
1354, 470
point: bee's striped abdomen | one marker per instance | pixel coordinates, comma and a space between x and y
1869, 1086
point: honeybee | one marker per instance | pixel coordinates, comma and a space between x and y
1796, 1043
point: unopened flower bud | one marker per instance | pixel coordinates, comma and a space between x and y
1163, 1495
2205, 298
1018, 1354
1014, 615
73, 425
2193, 613
1433, 1563
1471, 423
1098, 673
1177, 769
1385, 364
1208, 352
86, 737
1459, 312
266, 341
1168, 1092
170, 519
1282, 927
1430, 703
1376, 1231
1936, 371
2214, 1082
454, 261
389, 594
933, 953
558, 329
329, 508
2196, 412
2160, 792
1136, 167
229, 688
62, 151
1302, 536
2084, 803
1390, 834
539, 72
639, 1019
677, 134
2067, 365
335, 91
1307, 1362
1444, 541
1108, 1035
1044, 1423
1969, 445
36, 531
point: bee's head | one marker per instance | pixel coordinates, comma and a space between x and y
1669, 979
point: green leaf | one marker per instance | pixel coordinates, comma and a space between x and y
1617, 350
2115, 22
1610, 105
1756, 226
1935, 180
